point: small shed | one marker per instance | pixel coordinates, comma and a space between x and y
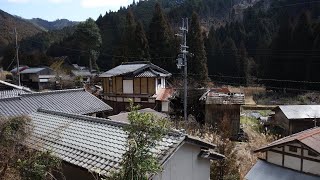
296, 118
221, 104
38, 77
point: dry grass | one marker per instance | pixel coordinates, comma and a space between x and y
242, 151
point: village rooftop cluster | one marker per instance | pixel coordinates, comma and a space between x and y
84, 126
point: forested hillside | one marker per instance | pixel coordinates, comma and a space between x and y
7, 25
239, 42
52, 25
276, 41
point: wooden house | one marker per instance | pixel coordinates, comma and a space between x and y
221, 104
38, 78
294, 157
143, 82
296, 118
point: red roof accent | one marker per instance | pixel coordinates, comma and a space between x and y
221, 90
164, 94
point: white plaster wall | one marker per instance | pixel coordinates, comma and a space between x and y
165, 106
274, 158
292, 162
163, 83
185, 165
157, 87
128, 86
311, 167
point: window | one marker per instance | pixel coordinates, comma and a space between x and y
293, 149
311, 153
110, 84
159, 82
128, 86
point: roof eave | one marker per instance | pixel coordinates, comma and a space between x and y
266, 148
207, 154
198, 142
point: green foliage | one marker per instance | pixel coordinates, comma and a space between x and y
37, 165
161, 40
134, 43
16, 160
144, 131
198, 63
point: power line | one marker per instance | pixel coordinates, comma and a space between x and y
258, 79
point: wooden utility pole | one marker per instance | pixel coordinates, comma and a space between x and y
183, 62
17, 56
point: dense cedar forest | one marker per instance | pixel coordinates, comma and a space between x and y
270, 42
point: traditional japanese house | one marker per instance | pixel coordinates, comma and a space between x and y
295, 157
143, 82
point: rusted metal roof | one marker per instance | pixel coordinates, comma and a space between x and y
310, 138
219, 96
164, 94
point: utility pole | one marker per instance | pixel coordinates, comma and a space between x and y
183, 62
17, 55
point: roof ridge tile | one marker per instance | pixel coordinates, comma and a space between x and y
83, 117
52, 92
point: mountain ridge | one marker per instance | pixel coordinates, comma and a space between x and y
52, 25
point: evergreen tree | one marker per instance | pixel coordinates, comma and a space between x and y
125, 51
231, 61
302, 34
87, 38
302, 43
161, 41
280, 47
142, 46
214, 52
246, 65
134, 43
198, 63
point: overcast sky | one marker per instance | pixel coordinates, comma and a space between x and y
76, 10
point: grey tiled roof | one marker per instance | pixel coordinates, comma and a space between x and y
146, 74
11, 93
31, 70
91, 143
135, 68
123, 117
72, 101
81, 73
8, 86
